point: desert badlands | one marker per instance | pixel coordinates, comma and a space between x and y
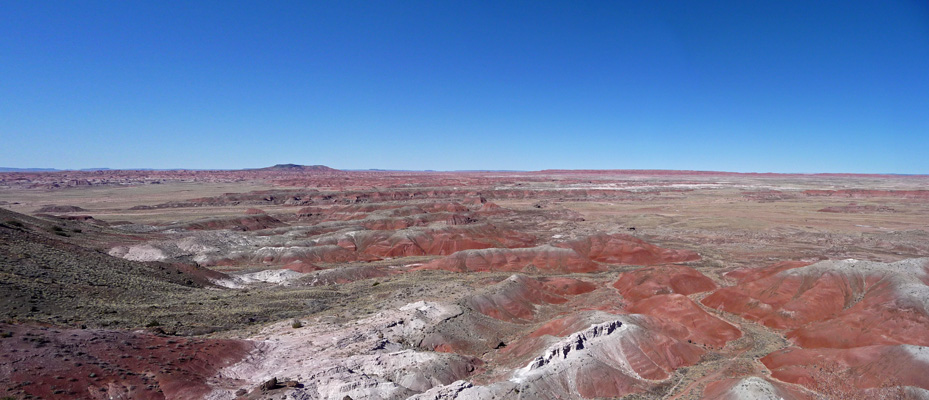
306, 282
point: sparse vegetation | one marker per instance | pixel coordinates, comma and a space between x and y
55, 282
834, 382
105, 291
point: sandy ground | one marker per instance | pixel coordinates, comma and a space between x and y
354, 345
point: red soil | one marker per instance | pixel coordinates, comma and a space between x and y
625, 249
840, 307
300, 266
567, 286
437, 242
249, 223
696, 325
451, 207
563, 326
664, 279
99, 364
860, 367
881, 317
544, 259
393, 224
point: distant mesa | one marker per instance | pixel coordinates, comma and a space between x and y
297, 167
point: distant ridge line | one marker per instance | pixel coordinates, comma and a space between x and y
324, 168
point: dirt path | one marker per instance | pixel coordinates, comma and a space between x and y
739, 358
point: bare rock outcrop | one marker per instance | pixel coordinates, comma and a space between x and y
752, 388
371, 358
610, 359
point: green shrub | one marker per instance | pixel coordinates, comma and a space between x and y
297, 324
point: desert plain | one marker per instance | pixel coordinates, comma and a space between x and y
306, 282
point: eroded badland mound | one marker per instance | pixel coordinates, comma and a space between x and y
305, 282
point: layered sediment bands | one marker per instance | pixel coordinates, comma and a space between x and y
610, 359
860, 367
862, 193
101, 364
521, 351
625, 249
392, 210
339, 198
582, 255
342, 247
314, 254
857, 324
839, 304
392, 224
246, 223
664, 279
567, 286
542, 259
367, 359
301, 267
695, 324
516, 298
491, 208
422, 241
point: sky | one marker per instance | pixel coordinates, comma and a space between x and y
742, 86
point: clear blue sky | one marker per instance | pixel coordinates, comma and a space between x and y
754, 86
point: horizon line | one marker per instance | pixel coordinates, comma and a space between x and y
549, 170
